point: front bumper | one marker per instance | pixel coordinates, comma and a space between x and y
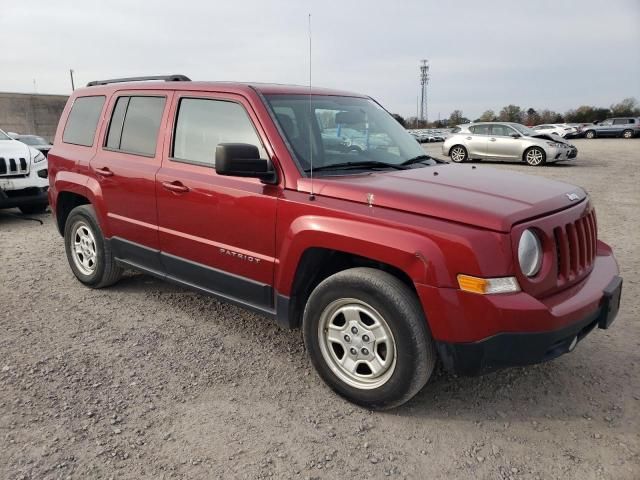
17, 191
478, 333
561, 154
518, 349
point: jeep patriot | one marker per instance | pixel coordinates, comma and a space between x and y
316, 208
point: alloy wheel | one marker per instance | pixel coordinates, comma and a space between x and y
535, 156
357, 343
83, 248
458, 154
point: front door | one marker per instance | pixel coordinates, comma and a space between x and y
476, 143
502, 146
217, 233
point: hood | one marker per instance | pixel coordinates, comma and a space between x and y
483, 197
14, 149
553, 138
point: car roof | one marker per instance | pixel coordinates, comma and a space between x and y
229, 87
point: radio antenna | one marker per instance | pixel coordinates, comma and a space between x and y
311, 195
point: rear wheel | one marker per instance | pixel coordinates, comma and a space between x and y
34, 209
367, 337
590, 134
627, 134
535, 156
89, 256
458, 154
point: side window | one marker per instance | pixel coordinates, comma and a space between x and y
455, 129
632, 120
500, 130
83, 120
203, 123
480, 129
621, 121
134, 125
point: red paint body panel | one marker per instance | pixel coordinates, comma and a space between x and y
431, 227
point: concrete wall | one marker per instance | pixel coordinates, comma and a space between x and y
31, 113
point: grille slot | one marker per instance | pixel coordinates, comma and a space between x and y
575, 247
13, 166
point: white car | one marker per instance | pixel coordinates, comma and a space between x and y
24, 179
560, 129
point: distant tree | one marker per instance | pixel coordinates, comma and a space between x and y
511, 113
399, 119
558, 118
532, 118
456, 118
587, 114
487, 116
548, 116
628, 106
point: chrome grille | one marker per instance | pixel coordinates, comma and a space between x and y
13, 166
576, 247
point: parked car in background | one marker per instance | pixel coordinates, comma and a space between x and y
36, 142
561, 129
386, 258
23, 176
626, 127
506, 142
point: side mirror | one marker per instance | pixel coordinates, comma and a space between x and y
515, 135
243, 160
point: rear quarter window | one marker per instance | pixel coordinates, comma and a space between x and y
83, 120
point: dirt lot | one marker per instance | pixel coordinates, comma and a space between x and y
146, 380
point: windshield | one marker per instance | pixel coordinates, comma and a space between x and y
336, 130
32, 140
526, 131
4, 136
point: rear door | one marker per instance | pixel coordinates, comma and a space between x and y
620, 125
125, 166
502, 146
476, 141
216, 232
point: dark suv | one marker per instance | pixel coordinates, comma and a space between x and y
626, 127
387, 258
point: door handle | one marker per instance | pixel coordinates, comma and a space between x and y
492, 139
104, 172
175, 186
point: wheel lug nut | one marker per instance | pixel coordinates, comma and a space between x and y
365, 351
354, 330
353, 351
365, 338
347, 338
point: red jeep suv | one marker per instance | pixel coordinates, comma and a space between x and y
316, 208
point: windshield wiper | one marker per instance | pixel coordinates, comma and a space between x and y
356, 165
420, 159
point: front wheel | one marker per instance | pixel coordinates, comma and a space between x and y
535, 156
590, 134
367, 337
627, 134
458, 154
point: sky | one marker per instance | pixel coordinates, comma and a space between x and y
555, 54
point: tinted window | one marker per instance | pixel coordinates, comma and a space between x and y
117, 120
141, 125
202, 124
83, 120
501, 130
620, 121
480, 129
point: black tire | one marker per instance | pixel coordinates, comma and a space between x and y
106, 271
34, 209
415, 355
627, 134
535, 156
458, 154
590, 134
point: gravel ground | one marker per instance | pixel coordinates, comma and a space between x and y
147, 380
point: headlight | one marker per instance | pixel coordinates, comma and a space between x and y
554, 144
529, 253
38, 157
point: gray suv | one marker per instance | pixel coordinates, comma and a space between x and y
627, 127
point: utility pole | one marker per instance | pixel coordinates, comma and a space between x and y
424, 80
73, 87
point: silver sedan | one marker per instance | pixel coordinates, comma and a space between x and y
505, 141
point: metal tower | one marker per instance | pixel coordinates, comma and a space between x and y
424, 81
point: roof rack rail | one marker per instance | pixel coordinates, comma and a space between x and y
166, 78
